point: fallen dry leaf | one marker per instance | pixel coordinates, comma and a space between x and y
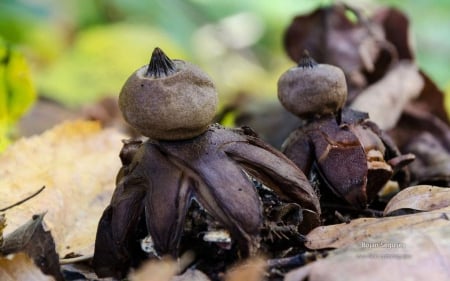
32, 239
432, 164
419, 197
401, 255
385, 99
77, 162
341, 235
20, 267
396, 27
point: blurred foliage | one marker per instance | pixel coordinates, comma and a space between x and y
81, 50
84, 49
101, 60
17, 92
428, 21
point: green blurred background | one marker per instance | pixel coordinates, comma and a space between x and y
81, 50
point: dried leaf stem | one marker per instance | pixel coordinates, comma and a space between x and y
23, 200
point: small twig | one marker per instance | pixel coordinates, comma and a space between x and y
23, 200
294, 261
75, 259
341, 218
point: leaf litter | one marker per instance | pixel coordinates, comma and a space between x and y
77, 162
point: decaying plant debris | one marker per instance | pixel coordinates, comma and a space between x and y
33, 240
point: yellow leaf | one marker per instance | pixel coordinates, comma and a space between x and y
101, 60
21, 91
17, 92
77, 162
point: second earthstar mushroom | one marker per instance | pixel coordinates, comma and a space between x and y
351, 155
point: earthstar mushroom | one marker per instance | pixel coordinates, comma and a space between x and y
350, 153
188, 159
168, 99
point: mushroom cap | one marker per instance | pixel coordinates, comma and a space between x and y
311, 91
179, 106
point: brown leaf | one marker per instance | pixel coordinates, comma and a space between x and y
431, 99
396, 27
385, 99
428, 138
20, 267
420, 197
432, 165
331, 37
415, 122
341, 235
77, 162
305, 33
358, 47
37, 243
419, 254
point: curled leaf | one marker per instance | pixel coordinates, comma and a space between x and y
37, 243
419, 197
396, 89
